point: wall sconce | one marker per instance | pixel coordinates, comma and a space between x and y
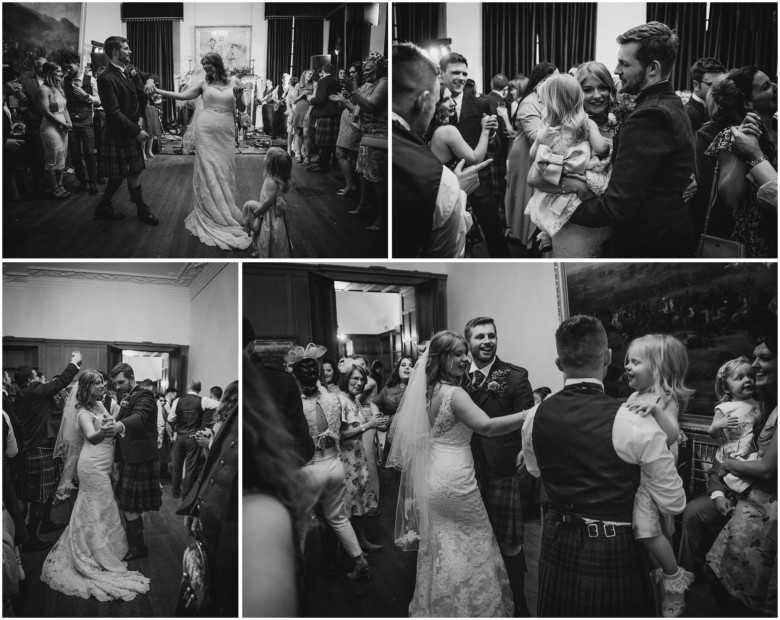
371, 14
340, 335
436, 48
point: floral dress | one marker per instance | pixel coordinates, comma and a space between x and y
360, 497
754, 226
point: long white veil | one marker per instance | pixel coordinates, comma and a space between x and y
410, 434
70, 439
188, 142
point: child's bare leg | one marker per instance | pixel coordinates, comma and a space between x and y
661, 553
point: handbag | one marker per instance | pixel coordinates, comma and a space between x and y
194, 591
711, 246
374, 142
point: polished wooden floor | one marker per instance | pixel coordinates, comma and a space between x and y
166, 538
319, 224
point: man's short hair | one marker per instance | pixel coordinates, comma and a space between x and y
23, 375
499, 82
113, 43
194, 386
217, 391
148, 384
413, 70
656, 42
327, 68
580, 341
706, 65
480, 320
453, 58
123, 368
171, 389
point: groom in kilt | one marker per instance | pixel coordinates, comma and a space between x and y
123, 92
138, 483
500, 389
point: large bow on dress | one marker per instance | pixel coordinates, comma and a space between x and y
549, 166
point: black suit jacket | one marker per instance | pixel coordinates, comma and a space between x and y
139, 415
321, 104
470, 127
697, 114
501, 149
123, 100
31, 89
653, 159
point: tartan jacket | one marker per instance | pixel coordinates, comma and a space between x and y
138, 412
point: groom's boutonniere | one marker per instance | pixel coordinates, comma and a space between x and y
497, 382
124, 403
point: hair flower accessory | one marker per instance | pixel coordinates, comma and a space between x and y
312, 351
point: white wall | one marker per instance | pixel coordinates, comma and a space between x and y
104, 19
367, 313
213, 326
464, 27
379, 33
613, 19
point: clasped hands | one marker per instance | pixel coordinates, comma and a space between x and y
109, 427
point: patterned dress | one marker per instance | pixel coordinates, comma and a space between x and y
360, 497
54, 139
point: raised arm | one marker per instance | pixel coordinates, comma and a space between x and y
478, 421
378, 100
186, 95
598, 143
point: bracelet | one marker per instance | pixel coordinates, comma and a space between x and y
754, 162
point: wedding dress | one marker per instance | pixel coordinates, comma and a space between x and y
87, 559
216, 220
460, 572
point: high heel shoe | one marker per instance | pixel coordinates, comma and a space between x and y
361, 569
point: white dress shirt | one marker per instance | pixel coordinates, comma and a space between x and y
205, 403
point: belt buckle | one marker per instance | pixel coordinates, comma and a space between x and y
609, 530
593, 530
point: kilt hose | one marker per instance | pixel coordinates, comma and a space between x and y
327, 131
584, 576
40, 475
138, 486
502, 501
120, 157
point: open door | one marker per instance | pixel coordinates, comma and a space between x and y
431, 307
324, 322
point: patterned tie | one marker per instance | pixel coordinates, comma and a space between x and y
477, 380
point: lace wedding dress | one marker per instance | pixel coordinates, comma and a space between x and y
87, 559
216, 220
460, 572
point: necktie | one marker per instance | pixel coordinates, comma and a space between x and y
455, 124
477, 380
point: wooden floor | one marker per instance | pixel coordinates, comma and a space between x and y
391, 586
166, 538
319, 224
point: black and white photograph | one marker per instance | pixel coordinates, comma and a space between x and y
584, 130
195, 130
441, 440
120, 439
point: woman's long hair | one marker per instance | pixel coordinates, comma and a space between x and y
228, 402
598, 71
440, 350
563, 99
538, 74
336, 373
49, 78
86, 382
303, 81
395, 378
220, 73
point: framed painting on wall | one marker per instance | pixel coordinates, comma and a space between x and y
273, 349
715, 309
230, 42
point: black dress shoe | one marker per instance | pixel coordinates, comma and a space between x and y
36, 544
136, 553
147, 217
108, 214
93, 190
51, 526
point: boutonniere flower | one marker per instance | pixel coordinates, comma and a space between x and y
497, 382
124, 402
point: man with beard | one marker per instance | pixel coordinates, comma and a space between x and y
652, 156
500, 389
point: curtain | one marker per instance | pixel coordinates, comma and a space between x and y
308, 43
358, 33
688, 20
744, 34
152, 45
509, 36
336, 28
279, 43
567, 33
418, 22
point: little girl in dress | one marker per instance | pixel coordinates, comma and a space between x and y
266, 219
735, 415
565, 144
655, 366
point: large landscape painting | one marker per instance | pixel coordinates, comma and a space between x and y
48, 29
716, 309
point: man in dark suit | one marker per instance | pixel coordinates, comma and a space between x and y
34, 407
81, 140
123, 92
469, 110
653, 156
29, 95
327, 114
138, 484
496, 99
500, 389
703, 73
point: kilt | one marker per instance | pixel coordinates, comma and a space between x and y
498, 174
327, 131
120, 157
138, 486
502, 501
372, 164
583, 576
40, 475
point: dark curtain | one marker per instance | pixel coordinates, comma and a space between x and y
337, 23
567, 33
152, 45
688, 20
358, 33
744, 34
279, 43
509, 39
308, 43
418, 22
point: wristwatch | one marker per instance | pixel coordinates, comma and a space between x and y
754, 162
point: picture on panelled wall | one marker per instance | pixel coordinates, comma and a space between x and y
120, 428
283, 105
584, 130
525, 401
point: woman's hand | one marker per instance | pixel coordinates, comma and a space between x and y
66, 126
723, 506
489, 123
337, 97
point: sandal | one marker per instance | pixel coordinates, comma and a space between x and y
673, 594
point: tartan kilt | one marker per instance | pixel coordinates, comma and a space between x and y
121, 157
40, 475
582, 576
498, 174
138, 486
327, 131
502, 501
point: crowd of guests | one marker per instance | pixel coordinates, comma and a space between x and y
585, 164
191, 433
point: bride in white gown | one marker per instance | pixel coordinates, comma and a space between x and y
87, 559
460, 572
215, 219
